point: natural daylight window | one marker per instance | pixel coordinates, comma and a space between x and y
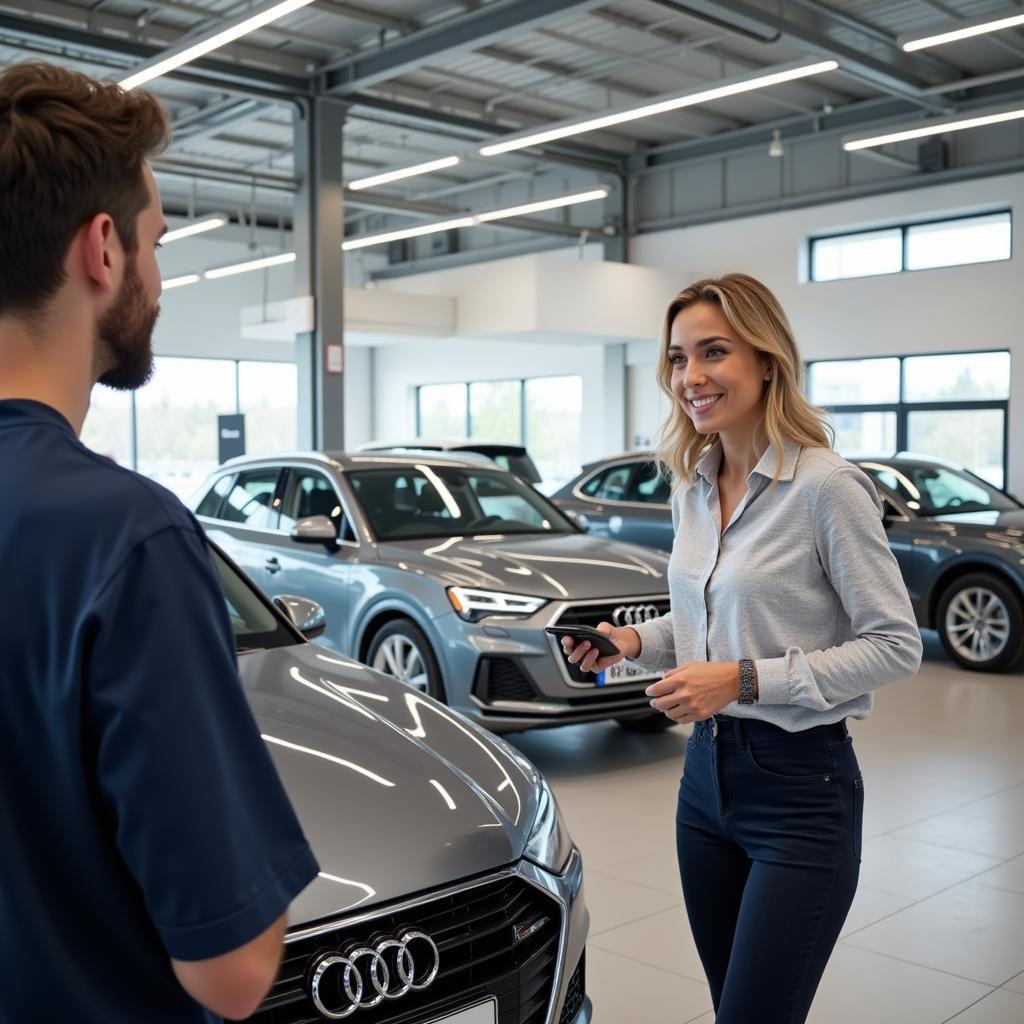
513, 412
952, 407
943, 243
167, 430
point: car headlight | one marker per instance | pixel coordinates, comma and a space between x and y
550, 843
473, 605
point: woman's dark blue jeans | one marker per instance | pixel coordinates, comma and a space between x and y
768, 831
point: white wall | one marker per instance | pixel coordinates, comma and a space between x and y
949, 310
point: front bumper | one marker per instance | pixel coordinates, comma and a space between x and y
507, 673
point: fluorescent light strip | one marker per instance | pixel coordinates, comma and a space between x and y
933, 128
198, 228
404, 172
472, 219
244, 268
180, 282
978, 28
243, 26
732, 87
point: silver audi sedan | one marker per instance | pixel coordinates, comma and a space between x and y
443, 573
450, 892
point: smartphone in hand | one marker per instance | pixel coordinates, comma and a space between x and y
598, 640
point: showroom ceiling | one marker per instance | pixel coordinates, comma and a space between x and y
426, 79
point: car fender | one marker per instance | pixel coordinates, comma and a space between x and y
392, 606
962, 564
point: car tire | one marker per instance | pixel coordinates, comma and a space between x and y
980, 621
401, 649
652, 723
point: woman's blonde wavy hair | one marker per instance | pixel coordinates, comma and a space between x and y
755, 315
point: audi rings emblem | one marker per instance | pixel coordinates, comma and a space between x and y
362, 976
634, 614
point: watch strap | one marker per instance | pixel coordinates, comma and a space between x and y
748, 682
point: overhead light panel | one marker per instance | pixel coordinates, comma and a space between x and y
472, 219
186, 52
404, 172
676, 101
180, 282
965, 30
935, 127
244, 268
196, 228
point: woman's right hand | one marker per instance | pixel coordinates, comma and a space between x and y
583, 654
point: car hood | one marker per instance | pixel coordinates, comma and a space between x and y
396, 793
573, 566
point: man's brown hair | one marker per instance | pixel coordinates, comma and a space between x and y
70, 148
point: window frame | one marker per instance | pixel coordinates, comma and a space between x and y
904, 228
902, 408
347, 523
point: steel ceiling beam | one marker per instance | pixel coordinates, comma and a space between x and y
467, 32
210, 72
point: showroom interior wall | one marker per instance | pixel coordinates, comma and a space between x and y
954, 309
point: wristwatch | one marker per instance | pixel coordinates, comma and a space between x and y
748, 682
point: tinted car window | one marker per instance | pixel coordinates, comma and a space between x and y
443, 501
650, 486
251, 500
611, 484
310, 493
210, 505
255, 626
938, 490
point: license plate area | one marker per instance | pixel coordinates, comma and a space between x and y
623, 673
482, 1013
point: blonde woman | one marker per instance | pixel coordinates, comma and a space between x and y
788, 610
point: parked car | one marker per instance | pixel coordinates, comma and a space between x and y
444, 574
449, 891
958, 539
513, 457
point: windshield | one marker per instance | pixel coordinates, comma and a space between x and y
933, 490
255, 626
446, 501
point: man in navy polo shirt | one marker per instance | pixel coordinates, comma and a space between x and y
148, 852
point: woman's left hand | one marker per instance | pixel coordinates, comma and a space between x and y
694, 692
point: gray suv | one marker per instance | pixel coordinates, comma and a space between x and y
449, 892
444, 574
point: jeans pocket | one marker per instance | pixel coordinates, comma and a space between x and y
793, 762
858, 816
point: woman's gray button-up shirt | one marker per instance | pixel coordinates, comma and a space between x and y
801, 580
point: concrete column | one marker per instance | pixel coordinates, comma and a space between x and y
319, 228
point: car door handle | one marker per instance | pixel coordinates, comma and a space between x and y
272, 565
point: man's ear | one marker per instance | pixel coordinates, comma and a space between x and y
102, 253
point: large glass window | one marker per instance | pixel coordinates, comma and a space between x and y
108, 426
948, 406
496, 411
944, 243
442, 411
268, 396
176, 420
554, 422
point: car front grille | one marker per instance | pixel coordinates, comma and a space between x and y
476, 934
502, 679
576, 993
592, 614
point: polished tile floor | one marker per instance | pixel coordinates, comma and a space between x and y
937, 930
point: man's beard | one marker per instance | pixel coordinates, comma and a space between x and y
126, 334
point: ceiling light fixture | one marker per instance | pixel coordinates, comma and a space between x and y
965, 30
210, 223
937, 127
470, 219
192, 49
775, 147
690, 97
244, 268
404, 172
180, 282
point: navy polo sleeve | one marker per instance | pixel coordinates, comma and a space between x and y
199, 813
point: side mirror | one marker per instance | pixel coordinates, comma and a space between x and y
578, 518
307, 616
315, 530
